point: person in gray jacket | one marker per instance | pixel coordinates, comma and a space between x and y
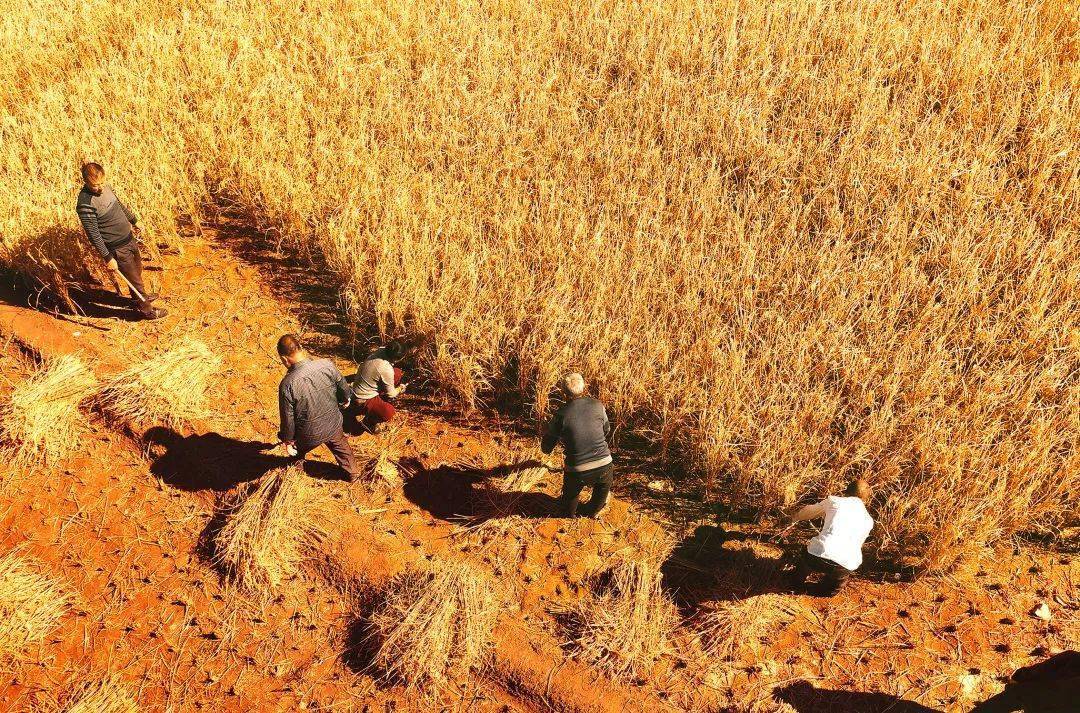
582, 427
110, 226
310, 399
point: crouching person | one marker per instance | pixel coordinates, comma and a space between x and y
582, 427
310, 398
378, 381
836, 551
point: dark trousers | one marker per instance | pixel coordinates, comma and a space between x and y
342, 452
834, 574
599, 479
129, 260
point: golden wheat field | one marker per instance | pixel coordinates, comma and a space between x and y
787, 242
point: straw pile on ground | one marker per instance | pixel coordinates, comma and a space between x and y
166, 390
502, 497
743, 626
270, 532
30, 605
435, 624
40, 422
381, 460
624, 626
106, 696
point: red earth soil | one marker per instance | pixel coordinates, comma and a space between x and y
124, 524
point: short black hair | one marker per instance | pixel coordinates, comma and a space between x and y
288, 345
393, 350
91, 170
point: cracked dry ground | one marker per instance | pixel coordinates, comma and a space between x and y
123, 523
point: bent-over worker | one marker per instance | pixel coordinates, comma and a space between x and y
376, 382
836, 551
310, 398
582, 426
111, 228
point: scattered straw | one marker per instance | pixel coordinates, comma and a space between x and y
166, 390
106, 696
30, 605
624, 627
266, 537
435, 623
40, 422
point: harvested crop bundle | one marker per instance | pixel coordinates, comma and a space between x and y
504, 496
435, 623
732, 626
166, 390
41, 421
31, 605
106, 696
625, 626
269, 533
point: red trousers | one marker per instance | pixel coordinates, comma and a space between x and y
377, 409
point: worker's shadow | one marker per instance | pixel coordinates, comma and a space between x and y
470, 495
1050, 686
103, 304
716, 565
208, 461
803, 697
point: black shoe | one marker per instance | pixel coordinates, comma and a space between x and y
155, 313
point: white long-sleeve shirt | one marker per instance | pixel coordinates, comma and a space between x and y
847, 525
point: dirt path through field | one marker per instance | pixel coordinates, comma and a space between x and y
124, 522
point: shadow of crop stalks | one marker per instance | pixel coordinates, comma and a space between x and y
52, 264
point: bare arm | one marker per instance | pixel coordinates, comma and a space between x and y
809, 512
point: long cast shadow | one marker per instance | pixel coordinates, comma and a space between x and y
1050, 686
468, 495
805, 698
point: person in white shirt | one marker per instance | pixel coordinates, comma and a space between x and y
376, 382
836, 551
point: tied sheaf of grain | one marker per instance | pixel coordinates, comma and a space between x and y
624, 625
435, 623
40, 421
31, 605
267, 536
790, 241
168, 389
106, 696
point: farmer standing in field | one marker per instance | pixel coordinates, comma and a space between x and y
836, 551
111, 228
582, 427
376, 382
310, 398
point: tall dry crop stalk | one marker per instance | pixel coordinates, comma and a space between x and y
435, 624
267, 536
31, 604
168, 389
40, 422
794, 241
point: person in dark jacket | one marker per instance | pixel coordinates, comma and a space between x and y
111, 228
310, 399
583, 429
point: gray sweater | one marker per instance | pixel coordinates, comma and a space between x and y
582, 427
105, 220
310, 399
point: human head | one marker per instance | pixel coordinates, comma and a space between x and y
860, 489
289, 349
574, 384
393, 351
93, 177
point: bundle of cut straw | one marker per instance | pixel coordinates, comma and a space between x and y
40, 422
106, 696
730, 627
167, 390
30, 605
624, 627
435, 623
268, 535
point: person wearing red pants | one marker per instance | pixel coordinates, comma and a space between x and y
378, 381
